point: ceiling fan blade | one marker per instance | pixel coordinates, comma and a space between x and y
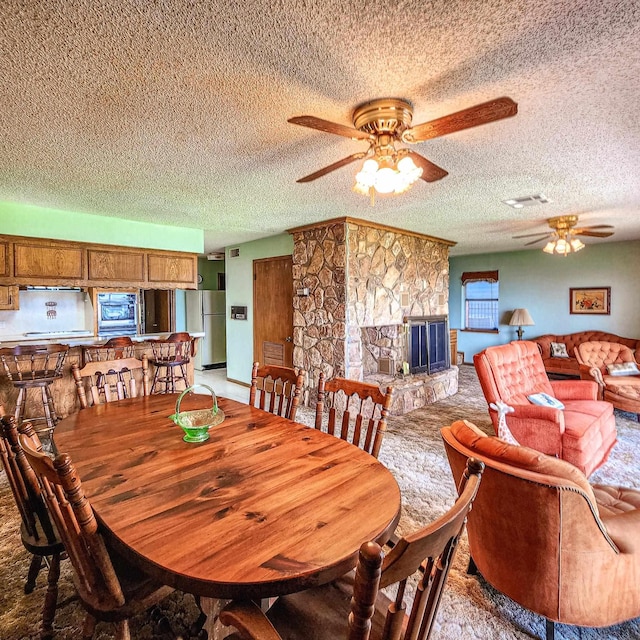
330, 127
593, 234
592, 226
430, 172
333, 167
531, 235
536, 241
465, 119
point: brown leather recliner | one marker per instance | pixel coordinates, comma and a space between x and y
622, 391
545, 537
583, 433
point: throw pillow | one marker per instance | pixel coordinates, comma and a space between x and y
545, 400
559, 350
623, 369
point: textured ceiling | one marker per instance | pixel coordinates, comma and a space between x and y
175, 111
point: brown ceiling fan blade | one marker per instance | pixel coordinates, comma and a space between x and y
430, 172
330, 127
465, 119
593, 234
333, 167
591, 227
532, 235
526, 244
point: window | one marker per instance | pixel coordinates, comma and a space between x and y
480, 300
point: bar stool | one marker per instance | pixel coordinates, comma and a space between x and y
31, 367
113, 349
171, 355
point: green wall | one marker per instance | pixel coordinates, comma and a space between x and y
38, 222
209, 270
541, 282
239, 275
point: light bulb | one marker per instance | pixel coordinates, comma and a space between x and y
562, 246
550, 247
577, 244
385, 180
406, 165
370, 166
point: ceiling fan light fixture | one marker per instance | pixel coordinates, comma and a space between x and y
387, 176
576, 244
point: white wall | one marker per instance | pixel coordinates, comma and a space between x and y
239, 282
72, 311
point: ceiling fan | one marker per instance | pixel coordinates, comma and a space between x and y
383, 123
563, 237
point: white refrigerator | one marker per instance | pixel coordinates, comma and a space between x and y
205, 312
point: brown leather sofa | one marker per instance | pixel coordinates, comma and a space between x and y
570, 366
545, 537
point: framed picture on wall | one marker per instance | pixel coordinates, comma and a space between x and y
591, 300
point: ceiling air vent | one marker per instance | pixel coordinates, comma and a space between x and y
527, 201
234, 253
215, 255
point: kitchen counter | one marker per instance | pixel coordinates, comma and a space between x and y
76, 338
64, 389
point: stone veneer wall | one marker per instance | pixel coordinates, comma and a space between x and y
361, 276
319, 319
390, 274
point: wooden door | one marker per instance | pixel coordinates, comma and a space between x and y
158, 310
273, 311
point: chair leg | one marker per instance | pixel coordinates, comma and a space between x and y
34, 570
51, 598
122, 630
550, 629
89, 627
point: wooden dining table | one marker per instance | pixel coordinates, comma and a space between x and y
264, 507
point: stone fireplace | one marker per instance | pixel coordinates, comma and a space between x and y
356, 283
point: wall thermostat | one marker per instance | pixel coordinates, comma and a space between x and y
238, 313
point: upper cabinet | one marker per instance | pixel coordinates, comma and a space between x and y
36, 261
164, 268
116, 266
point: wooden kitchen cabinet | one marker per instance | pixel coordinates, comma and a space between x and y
4, 258
9, 298
59, 262
116, 266
171, 269
44, 262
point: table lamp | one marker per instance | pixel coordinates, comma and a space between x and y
521, 318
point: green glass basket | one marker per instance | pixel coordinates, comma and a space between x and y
197, 422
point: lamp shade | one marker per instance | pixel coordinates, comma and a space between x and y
521, 318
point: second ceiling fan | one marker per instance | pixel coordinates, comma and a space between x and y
383, 123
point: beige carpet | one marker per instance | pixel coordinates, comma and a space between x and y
413, 450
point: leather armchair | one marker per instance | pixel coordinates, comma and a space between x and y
623, 392
583, 433
545, 537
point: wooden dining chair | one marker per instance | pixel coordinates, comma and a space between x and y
110, 380
354, 606
38, 535
276, 389
110, 589
354, 411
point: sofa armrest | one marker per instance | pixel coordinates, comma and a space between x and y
575, 389
540, 428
